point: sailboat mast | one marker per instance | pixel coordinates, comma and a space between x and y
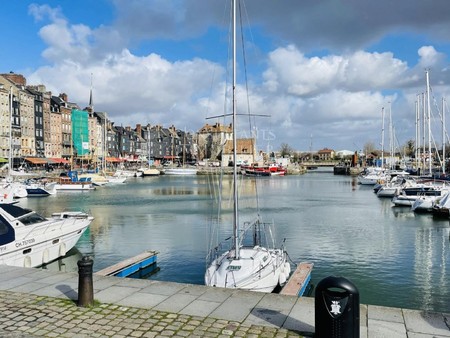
429, 122
235, 192
10, 130
443, 136
382, 137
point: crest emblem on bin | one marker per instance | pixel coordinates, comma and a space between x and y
335, 307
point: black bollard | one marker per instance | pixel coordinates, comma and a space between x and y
85, 284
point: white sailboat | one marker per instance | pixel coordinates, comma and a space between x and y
183, 169
254, 267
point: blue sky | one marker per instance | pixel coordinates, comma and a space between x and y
322, 70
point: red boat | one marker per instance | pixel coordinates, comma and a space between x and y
268, 170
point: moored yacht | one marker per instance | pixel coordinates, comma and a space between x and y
28, 239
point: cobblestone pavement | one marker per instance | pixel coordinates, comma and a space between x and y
27, 315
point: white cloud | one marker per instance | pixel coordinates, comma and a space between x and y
337, 96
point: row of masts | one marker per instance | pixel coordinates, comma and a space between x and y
423, 133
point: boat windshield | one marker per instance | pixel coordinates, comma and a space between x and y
14, 210
6, 232
32, 219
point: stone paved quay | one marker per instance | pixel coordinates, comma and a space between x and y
41, 303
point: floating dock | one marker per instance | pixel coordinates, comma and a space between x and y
131, 266
299, 280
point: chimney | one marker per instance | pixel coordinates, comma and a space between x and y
139, 129
63, 96
17, 79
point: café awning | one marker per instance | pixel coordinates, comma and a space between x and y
58, 160
114, 159
36, 160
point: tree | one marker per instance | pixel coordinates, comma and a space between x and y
285, 150
369, 147
410, 148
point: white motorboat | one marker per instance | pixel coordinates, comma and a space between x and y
18, 189
393, 187
425, 203
116, 179
29, 240
37, 188
372, 176
441, 209
149, 172
408, 195
180, 171
252, 267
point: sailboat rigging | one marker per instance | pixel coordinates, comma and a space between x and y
252, 267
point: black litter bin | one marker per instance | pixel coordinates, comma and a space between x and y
336, 308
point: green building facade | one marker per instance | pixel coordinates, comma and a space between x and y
80, 132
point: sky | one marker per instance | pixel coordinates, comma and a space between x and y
320, 74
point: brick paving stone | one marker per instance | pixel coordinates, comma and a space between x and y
35, 316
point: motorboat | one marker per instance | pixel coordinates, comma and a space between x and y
425, 203
408, 195
393, 187
40, 188
372, 176
71, 182
149, 172
441, 209
180, 171
28, 239
266, 170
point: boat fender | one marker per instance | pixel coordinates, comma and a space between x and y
27, 262
282, 278
287, 268
45, 257
62, 249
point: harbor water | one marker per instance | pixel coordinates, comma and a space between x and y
394, 256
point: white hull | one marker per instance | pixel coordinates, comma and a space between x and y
180, 171
257, 269
388, 191
74, 186
41, 242
150, 172
401, 200
116, 180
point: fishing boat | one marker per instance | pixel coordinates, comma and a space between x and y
71, 182
267, 170
251, 267
28, 239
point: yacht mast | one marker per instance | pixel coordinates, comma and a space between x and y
429, 122
10, 130
417, 152
235, 192
382, 137
443, 135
